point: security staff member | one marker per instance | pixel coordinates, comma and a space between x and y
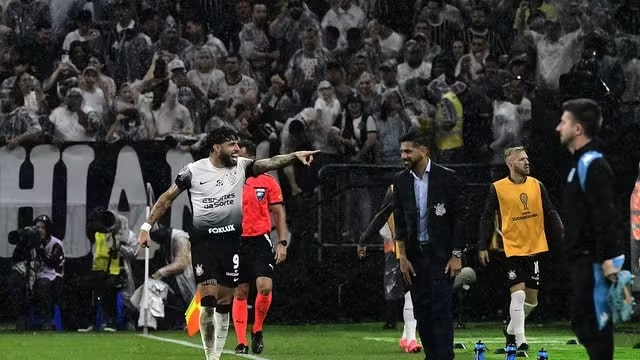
593, 225
522, 208
430, 215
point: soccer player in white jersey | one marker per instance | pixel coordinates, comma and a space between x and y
215, 185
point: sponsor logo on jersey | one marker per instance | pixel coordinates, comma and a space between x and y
260, 193
215, 202
222, 229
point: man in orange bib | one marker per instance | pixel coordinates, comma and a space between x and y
516, 210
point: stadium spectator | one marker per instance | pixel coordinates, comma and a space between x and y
84, 32
234, 84
294, 19
94, 92
344, 15
72, 123
130, 50
129, 127
19, 125
257, 48
170, 40
308, 66
196, 32
393, 120
414, 66
205, 74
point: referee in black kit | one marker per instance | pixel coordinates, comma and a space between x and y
593, 228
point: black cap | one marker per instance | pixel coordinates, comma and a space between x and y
333, 65
354, 97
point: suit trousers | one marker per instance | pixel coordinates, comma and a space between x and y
598, 343
432, 295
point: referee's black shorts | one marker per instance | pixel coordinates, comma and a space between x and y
256, 258
215, 257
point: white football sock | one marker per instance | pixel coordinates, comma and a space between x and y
516, 310
207, 331
528, 308
221, 322
410, 322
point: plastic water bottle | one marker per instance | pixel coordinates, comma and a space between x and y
479, 350
543, 355
512, 351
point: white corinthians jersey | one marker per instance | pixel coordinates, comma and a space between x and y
215, 193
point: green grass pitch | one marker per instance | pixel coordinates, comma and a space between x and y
347, 342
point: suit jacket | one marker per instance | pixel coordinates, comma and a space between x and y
447, 212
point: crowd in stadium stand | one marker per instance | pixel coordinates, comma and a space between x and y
347, 77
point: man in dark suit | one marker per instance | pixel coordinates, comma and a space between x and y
430, 212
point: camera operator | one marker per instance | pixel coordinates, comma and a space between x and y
109, 235
36, 276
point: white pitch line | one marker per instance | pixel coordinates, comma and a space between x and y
188, 344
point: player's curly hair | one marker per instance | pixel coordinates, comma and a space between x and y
220, 135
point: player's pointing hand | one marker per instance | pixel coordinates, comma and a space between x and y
306, 157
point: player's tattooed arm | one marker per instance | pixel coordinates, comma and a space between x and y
182, 183
282, 161
274, 163
181, 262
163, 204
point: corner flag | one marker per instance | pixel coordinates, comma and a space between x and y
192, 316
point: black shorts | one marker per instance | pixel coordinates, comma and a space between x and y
523, 269
215, 257
256, 258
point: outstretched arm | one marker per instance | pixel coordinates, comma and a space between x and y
281, 161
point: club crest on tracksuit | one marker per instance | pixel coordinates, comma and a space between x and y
440, 209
